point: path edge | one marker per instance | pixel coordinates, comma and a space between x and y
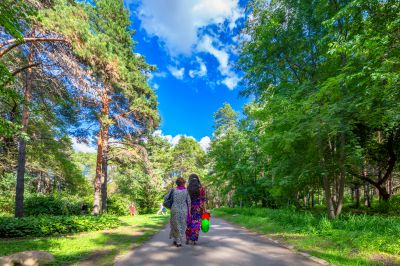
284, 245
134, 247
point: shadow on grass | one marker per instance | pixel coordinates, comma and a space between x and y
100, 250
10, 246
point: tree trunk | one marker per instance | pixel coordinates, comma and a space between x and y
383, 193
367, 201
340, 195
102, 143
328, 197
312, 199
390, 185
19, 190
357, 195
340, 180
104, 173
97, 181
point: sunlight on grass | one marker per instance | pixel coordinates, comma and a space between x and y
103, 245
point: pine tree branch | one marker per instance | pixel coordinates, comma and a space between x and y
15, 43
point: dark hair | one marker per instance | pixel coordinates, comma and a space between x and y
180, 181
194, 186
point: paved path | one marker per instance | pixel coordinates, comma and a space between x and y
224, 244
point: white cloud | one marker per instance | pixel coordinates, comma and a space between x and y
202, 71
177, 72
156, 86
82, 147
177, 22
153, 75
207, 45
161, 74
174, 140
205, 143
231, 82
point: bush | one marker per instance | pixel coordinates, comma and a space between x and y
118, 205
53, 205
394, 205
7, 204
391, 207
54, 225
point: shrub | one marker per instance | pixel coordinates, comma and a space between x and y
54, 225
7, 204
394, 205
118, 205
53, 205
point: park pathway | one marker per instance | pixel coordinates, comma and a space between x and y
224, 244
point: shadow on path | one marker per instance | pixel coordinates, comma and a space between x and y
224, 244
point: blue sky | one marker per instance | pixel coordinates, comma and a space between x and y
194, 44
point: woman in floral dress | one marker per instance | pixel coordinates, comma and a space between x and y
180, 210
198, 198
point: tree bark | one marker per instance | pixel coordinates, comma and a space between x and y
104, 172
328, 197
367, 201
340, 195
312, 199
102, 142
19, 190
357, 195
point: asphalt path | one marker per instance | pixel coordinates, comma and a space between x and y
224, 244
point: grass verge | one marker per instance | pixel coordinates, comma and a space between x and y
93, 248
350, 240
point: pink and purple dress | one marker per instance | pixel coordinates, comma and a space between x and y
194, 220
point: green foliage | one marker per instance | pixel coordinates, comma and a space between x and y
324, 77
14, 15
54, 225
118, 205
53, 205
188, 158
391, 207
225, 119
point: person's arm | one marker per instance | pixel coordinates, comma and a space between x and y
188, 201
203, 199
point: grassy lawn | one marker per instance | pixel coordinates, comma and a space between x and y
93, 248
350, 240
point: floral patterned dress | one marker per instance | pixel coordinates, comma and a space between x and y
194, 220
179, 214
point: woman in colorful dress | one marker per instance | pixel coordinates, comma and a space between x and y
180, 210
198, 198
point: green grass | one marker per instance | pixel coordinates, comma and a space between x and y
99, 248
350, 240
